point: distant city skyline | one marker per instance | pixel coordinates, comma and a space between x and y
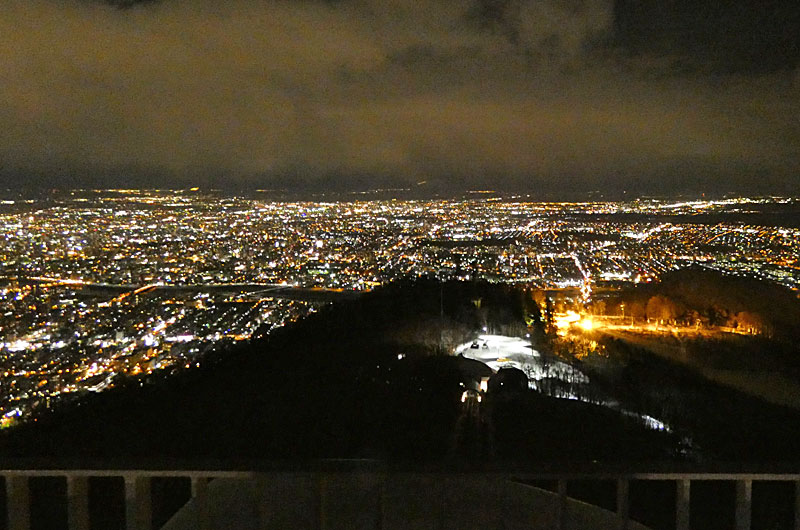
549, 97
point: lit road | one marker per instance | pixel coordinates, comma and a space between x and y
472, 436
262, 290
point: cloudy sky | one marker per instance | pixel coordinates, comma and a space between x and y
524, 95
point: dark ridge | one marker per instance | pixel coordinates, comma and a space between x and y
718, 297
358, 379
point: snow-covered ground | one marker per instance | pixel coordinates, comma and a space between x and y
500, 351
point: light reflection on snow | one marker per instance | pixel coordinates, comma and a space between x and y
500, 351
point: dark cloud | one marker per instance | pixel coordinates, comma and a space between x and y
551, 94
750, 36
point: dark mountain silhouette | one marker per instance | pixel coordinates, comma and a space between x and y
716, 298
355, 379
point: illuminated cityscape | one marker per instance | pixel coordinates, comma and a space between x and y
412, 264
98, 284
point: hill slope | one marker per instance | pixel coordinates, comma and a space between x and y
334, 385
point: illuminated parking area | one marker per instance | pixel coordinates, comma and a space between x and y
500, 351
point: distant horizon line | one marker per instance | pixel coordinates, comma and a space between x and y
386, 193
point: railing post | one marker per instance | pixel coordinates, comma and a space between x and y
138, 515
262, 484
77, 502
682, 498
623, 503
441, 499
561, 513
797, 505
382, 502
18, 499
744, 499
200, 497
323, 501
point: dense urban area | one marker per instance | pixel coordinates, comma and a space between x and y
97, 284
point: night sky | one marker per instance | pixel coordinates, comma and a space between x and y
539, 96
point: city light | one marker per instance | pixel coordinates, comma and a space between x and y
97, 284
